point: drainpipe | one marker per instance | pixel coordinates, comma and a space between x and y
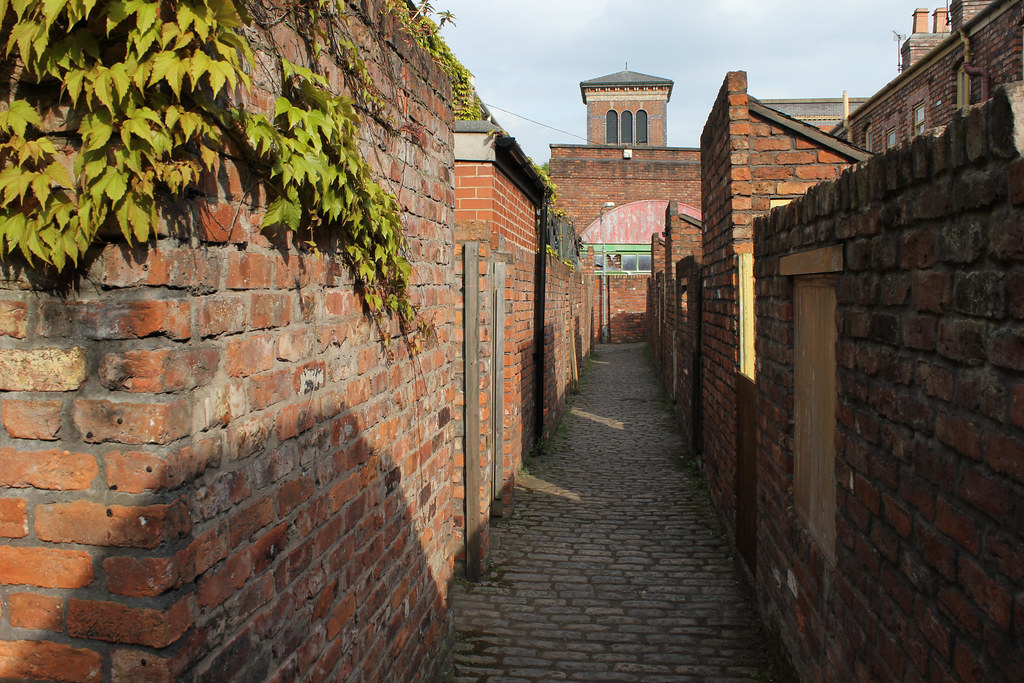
972, 69
538, 319
986, 79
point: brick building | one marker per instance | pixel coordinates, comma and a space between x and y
949, 63
626, 157
619, 245
626, 160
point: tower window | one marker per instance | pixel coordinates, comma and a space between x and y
627, 128
611, 127
641, 127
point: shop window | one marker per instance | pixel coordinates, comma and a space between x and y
627, 128
611, 127
641, 127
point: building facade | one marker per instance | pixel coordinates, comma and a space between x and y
955, 61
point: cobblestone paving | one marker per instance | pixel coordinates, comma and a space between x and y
613, 566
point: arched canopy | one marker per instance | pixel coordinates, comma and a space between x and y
633, 223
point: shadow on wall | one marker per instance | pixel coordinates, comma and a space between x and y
306, 537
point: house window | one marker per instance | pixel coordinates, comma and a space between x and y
890, 138
611, 127
643, 262
963, 89
919, 119
869, 143
627, 128
641, 127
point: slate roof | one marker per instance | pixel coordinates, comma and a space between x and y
823, 113
625, 78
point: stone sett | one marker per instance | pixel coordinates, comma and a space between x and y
613, 565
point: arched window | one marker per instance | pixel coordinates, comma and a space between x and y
641, 127
627, 128
611, 127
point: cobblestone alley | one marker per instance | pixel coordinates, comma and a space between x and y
613, 566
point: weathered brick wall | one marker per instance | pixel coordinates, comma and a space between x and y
209, 468
626, 307
927, 579
493, 213
671, 309
749, 161
726, 207
995, 45
565, 321
587, 177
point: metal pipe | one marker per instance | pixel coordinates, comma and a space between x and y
604, 276
986, 80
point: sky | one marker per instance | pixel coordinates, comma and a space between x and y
529, 56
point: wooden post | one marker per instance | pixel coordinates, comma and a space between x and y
471, 480
498, 385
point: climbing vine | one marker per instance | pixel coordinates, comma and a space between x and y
146, 88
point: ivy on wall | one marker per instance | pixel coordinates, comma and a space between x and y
145, 91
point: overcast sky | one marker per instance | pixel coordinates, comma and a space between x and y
529, 56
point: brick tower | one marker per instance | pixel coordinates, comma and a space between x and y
626, 108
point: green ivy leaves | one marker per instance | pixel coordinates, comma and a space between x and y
143, 104
146, 82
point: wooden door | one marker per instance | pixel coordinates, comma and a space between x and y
814, 485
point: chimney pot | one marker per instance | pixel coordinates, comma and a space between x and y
940, 21
921, 20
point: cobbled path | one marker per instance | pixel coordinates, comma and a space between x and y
613, 566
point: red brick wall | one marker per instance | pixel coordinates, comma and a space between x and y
587, 177
626, 307
491, 210
995, 45
566, 321
927, 581
747, 162
208, 469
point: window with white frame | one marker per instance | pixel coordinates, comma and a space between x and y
919, 119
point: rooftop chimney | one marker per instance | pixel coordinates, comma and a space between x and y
940, 21
964, 10
921, 20
922, 41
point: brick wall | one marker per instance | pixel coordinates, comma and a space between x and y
927, 578
626, 307
995, 45
750, 159
672, 308
495, 214
587, 177
209, 470
567, 317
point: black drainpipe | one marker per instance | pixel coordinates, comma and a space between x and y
538, 318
